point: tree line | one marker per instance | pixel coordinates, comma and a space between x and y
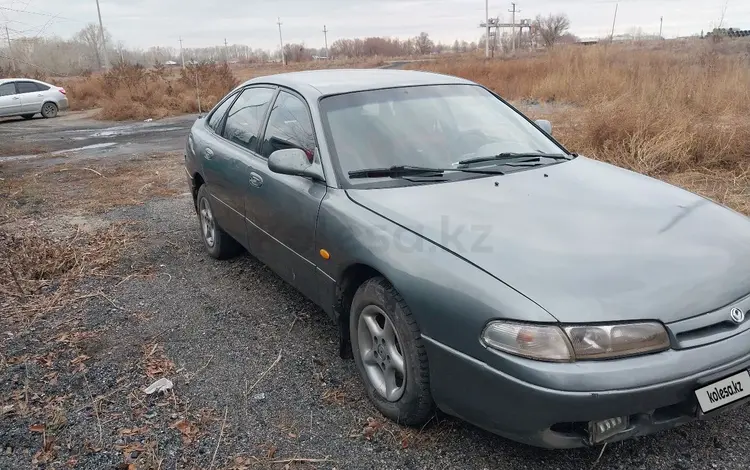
84, 51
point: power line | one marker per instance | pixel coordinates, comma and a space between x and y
16, 10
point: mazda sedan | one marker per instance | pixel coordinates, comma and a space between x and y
474, 265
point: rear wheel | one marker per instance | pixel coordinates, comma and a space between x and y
49, 110
390, 354
217, 242
28, 116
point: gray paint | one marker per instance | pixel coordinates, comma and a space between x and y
579, 241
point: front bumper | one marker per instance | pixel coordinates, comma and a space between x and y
548, 417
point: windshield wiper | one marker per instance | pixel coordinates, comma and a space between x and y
399, 171
513, 156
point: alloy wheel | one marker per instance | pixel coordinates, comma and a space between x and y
208, 225
380, 350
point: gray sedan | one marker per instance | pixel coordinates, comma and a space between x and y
471, 263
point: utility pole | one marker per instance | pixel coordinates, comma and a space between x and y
101, 30
513, 27
182, 55
614, 20
226, 51
281, 43
661, 27
10, 51
487, 33
325, 36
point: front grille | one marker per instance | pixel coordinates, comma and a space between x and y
710, 327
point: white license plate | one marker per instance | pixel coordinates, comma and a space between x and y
724, 391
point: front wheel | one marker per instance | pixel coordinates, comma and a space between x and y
389, 353
218, 243
49, 110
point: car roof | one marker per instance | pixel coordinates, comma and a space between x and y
5, 80
335, 81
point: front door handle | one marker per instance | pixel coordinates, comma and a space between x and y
256, 180
208, 154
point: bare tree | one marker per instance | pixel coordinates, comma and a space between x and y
423, 44
551, 28
89, 36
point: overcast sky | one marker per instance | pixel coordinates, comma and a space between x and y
144, 23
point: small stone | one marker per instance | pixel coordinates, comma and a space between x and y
259, 396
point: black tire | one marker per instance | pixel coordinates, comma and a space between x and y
28, 116
415, 406
221, 245
49, 110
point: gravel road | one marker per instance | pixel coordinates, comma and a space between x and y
225, 324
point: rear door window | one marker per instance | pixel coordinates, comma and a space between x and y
7, 89
27, 87
246, 115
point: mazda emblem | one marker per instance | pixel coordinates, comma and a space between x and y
738, 316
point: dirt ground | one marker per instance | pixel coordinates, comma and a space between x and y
106, 288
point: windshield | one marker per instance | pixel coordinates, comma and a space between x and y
433, 126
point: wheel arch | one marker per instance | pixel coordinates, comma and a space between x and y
198, 181
47, 101
351, 278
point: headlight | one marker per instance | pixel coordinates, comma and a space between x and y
578, 342
541, 342
609, 341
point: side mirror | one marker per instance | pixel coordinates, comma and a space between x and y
294, 162
545, 125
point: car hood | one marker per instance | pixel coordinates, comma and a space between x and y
585, 240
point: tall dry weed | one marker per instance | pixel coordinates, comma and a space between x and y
130, 91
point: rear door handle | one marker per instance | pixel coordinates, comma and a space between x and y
16, 97
208, 154
256, 180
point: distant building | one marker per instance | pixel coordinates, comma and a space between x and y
170, 63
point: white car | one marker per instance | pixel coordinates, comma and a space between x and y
26, 97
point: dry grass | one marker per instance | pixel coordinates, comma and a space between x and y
89, 187
42, 270
659, 110
130, 91
246, 73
